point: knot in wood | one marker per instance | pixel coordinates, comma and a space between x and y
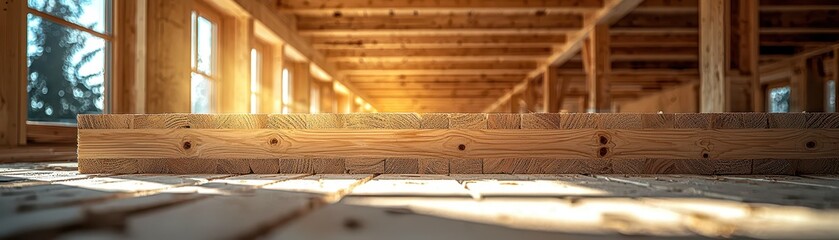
604, 151
187, 145
810, 144
274, 141
604, 140
461, 147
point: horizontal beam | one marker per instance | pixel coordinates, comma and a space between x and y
438, 72
434, 32
497, 58
108, 142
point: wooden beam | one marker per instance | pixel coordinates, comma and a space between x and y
611, 12
596, 53
13, 97
749, 52
114, 141
437, 72
496, 58
714, 92
434, 32
550, 91
168, 56
431, 7
470, 21
235, 45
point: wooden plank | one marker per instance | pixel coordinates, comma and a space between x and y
105, 121
410, 185
466, 166
365, 165
541, 121
288, 121
434, 166
157, 121
713, 87
576, 144
544, 166
12, 104
401, 166
559, 185
434, 120
503, 121
468, 121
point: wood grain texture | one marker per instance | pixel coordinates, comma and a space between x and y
619, 121
544, 166
577, 120
694, 120
115, 166
467, 121
325, 121
658, 120
264, 166
402, 120
234, 166
434, 121
158, 121
774, 166
541, 121
105, 121
466, 166
228, 121
364, 165
564, 144
288, 121
434, 166
818, 166
503, 121
296, 165
823, 120
787, 120
401, 166
364, 120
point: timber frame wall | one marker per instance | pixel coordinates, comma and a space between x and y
725, 143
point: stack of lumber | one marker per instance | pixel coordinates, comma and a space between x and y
461, 143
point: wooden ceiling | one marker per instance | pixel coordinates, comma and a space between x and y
463, 55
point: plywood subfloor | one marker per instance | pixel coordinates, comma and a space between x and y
46, 200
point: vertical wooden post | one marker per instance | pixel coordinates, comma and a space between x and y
236, 51
301, 87
597, 58
13, 67
515, 106
712, 25
529, 96
277, 57
168, 35
749, 54
549, 91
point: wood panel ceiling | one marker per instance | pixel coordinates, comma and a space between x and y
462, 55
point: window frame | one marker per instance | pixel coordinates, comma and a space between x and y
111, 65
200, 9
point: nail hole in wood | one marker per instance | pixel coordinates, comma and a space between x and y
461, 147
604, 140
603, 151
274, 141
187, 145
811, 144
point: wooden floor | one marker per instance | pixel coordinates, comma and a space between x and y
46, 200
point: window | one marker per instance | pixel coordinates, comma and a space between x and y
314, 104
830, 96
779, 99
286, 91
256, 61
68, 58
204, 61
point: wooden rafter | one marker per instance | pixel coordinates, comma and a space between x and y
611, 11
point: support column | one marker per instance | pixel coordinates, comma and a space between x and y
749, 52
300, 86
712, 61
549, 91
836, 79
235, 62
596, 58
168, 34
13, 67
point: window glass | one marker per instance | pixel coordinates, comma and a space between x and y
201, 90
203, 78
286, 91
779, 99
255, 76
91, 14
66, 70
830, 96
